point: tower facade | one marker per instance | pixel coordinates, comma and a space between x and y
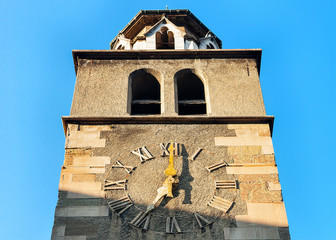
168, 137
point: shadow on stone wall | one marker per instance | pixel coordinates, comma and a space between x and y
92, 218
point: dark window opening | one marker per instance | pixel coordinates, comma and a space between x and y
121, 47
145, 94
210, 46
190, 94
164, 39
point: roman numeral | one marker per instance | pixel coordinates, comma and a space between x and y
177, 149
226, 184
165, 152
117, 185
121, 205
220, 204
196, 153
202, 221
142, 217
128, 169
143, 154
215, 166
172, 224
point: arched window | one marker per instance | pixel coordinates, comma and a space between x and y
190, 93
164, 39
145, 93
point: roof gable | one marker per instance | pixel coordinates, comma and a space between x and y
163, 21
179, 17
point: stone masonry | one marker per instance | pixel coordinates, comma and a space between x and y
82, 212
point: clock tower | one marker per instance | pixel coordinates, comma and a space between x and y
168, 138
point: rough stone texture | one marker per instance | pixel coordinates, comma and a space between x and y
255, 188
84, 139
274, 186
83, 211
232, 89
69, 238
251, 170
195, 182
264, 142
102, 86
284, 233
75, 227
256, 233
83, 177
263, 214
77, 152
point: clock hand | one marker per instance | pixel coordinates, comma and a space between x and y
163, 191
167, 186
171, 171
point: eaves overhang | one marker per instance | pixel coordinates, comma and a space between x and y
167, 54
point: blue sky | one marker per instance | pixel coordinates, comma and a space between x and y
37, 82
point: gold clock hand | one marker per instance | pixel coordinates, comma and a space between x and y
167, 186
170, 172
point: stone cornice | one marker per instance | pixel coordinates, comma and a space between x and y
168, 120
167, 54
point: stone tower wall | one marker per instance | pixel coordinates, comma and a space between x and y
232, 86
82, 212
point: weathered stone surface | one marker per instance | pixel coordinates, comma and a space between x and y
251, 233
76, 152
231, 89
258, 178
70, 170
83, 177
84, 189
264, 132
84, 161
77, 178
122, 138
80, 142
70, 238
269, 158
258, 192
59, 230
274, 186
248, 126
86, 194
264, 142
102, 86
251, 170
245, 150
78, 228
247, 132
83, 211
243, 141
266, 214
244, 130
94, 128
255, 188
257, 159
284, 233
83, 139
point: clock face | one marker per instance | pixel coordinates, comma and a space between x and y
204, 192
